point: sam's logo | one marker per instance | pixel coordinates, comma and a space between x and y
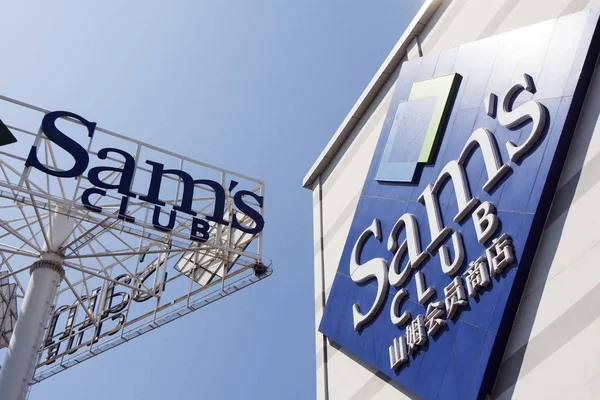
418, 125
484, 213
199, 226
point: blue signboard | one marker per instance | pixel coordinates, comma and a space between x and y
454, 203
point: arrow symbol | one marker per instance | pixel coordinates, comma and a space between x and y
6, 136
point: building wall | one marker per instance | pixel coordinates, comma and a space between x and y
552, 351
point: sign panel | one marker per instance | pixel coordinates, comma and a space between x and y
8, 310
145, 236
453, 206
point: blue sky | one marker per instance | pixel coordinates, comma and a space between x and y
257, 87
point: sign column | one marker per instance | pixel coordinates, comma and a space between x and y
23, 349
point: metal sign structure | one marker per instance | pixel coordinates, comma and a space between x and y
117, 236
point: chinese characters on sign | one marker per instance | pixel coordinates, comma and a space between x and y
477, 276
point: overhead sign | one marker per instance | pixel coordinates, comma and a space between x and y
147, 236
124, 184
454, 203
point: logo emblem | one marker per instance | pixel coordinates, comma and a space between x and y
418, 125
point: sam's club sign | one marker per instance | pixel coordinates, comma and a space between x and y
454, 203
200, 227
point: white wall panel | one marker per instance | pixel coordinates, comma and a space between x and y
528, 12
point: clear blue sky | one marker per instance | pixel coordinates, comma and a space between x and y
257, 87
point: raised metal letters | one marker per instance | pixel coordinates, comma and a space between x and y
485, 220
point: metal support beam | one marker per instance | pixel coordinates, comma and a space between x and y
20, 362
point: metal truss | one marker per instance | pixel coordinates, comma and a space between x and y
122, 279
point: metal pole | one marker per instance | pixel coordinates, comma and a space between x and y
19, 365
46, 275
